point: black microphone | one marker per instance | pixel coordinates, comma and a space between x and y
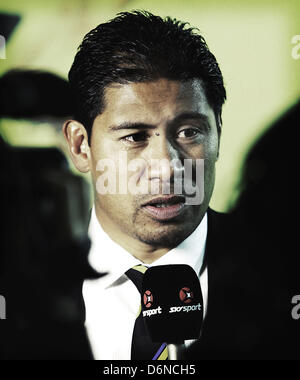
172, 306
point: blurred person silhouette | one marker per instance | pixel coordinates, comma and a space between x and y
252, 316
8, 24
40, 98
43, 230
267, 212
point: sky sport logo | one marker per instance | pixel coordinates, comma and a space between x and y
148, 301
185, 309
186, 295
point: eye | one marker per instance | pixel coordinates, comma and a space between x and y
136, 137
188, 133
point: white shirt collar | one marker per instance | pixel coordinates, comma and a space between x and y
108, 256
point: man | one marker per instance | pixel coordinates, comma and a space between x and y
149, 89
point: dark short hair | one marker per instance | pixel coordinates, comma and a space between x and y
139, 47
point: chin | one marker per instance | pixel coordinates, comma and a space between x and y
168, 237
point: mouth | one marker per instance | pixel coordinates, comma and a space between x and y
165, 207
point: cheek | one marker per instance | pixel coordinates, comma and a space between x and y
101, 149
103, 155
207, 150
119, 208
211, 148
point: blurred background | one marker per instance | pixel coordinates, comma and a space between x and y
252, 41
44, 246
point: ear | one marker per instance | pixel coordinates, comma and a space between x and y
77, 140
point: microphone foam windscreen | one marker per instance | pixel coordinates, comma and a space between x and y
172, 305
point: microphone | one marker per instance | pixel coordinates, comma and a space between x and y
172, 306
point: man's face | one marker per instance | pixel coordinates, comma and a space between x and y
162, 120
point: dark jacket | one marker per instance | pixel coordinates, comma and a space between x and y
249, 295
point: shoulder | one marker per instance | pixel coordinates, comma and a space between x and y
219, 223
216, 217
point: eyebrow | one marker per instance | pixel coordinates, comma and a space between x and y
178, 119
129, 125
190, 115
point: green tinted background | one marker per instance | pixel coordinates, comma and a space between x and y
251, 40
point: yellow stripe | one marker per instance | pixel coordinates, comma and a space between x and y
140, 268
139, 312
164, 354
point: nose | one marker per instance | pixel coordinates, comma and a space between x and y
165, 165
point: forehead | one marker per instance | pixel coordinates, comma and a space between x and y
154, 101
